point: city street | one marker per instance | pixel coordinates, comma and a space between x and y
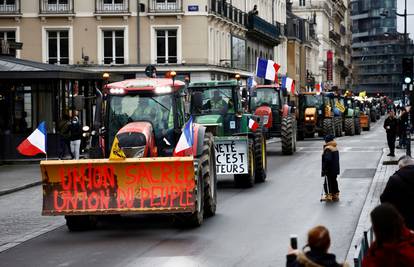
251, 227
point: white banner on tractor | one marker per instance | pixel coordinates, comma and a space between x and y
231, 155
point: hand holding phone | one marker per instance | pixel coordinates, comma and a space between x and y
294, 241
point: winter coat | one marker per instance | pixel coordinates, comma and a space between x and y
313, 259
393, 124
64, 129
402, 123
75, 130
330, 160
399, 192
399, 254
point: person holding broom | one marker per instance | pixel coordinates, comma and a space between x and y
330, 169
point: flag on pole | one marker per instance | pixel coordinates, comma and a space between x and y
267, 69
35, 143
319, 87
185, 143
289, 84
253, 125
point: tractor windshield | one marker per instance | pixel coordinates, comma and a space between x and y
216, 100
313, 101
131, 108
265, 97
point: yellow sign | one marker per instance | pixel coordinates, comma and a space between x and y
363, 94
340, 106
116, 151
99, 186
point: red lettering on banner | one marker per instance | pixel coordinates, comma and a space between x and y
93, 201
129, 174
145, 194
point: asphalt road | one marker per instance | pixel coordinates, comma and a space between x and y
251, 228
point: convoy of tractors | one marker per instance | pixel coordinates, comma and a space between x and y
159, 145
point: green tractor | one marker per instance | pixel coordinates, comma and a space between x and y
268, 102
240, 146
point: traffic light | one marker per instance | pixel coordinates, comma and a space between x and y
407, 66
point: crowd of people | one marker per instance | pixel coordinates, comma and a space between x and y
392, 224
395, 126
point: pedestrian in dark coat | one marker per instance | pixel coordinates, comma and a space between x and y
394, 242
402, 128
399, 190
330, 168
319, 242
64, 134
390, 126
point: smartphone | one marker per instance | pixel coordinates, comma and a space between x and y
294, 241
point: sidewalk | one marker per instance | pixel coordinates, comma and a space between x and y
386, 167
17, 177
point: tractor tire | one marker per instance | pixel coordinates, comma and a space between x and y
260, 157
196, 218
338, 126
349, 127
77, 223
373, 116
357, 126
328, 127
208, 169
247, 180
288, 135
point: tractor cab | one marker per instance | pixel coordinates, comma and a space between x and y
218, 106
146, 116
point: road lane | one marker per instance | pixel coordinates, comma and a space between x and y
251, 228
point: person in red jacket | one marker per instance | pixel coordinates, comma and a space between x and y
394, 242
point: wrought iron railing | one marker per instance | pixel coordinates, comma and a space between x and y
7, 7
225, 10
111, 6
258, 24
59, 7
166, 6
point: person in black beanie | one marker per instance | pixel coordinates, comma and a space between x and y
330, 169
390, 126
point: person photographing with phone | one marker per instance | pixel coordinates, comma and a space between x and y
315, 253
390, 126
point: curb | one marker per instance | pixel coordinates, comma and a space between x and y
12, 190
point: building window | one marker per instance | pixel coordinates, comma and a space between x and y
58, 47
166, 46
302, 3
8, 37
113, 47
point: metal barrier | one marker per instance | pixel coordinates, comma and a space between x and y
362, 249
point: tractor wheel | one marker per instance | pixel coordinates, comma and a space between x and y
288, 135
208, 169
76, 223
349, 127
247, 180
357, 126
328, 127
260, 157
196, 219
338, 126
373, 116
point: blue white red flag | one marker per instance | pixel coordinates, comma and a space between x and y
35, 143
185, 143
289, 84
267, 69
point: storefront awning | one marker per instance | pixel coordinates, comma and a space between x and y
14, 68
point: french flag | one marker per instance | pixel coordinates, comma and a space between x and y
185, 143
319, 87
267, 69
253, 125
35, 143
289, 84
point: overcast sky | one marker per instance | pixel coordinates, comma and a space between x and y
410, 22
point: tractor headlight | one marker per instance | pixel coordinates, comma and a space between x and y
134, 152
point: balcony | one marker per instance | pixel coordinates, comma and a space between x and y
165, 6
56, 7
10, 8
263, 31
112, 7
226, 11
336, 37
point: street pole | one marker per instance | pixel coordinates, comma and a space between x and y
408, 87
